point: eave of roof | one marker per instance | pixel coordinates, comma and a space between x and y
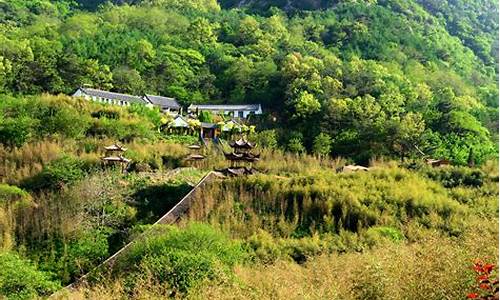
224, 106
112, 95
163, 101
208, 125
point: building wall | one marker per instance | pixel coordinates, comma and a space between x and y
79, 93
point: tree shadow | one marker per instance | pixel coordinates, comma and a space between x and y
152, 202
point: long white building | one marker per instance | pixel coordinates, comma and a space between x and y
236, 111
165, 104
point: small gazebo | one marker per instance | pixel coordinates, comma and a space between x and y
115, 148
194, 154
241, 146
114, 156
242, 152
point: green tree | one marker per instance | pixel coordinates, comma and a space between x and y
322, 145
20, 279
126, 80
295, 144
409, 134
16, 131
305, 105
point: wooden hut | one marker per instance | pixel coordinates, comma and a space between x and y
437, 162
209, 130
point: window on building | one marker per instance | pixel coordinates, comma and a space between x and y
240, 114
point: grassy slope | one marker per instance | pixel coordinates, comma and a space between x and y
296, 222
432, 260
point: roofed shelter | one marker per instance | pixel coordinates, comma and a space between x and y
179, 122
111, 159
179, 125
115, 147
208, 130
241, 145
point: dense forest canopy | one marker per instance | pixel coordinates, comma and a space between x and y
387, 77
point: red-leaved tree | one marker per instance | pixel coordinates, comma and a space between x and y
486, 284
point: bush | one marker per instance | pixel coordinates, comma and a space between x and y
16, 131
19, 279
108, 112
58, 173
456, 176
267, 139
322, 145
264, 247
66, 122
295, 145
181, 139
205, 116
376, 234
85, 251
9, 193
183, 258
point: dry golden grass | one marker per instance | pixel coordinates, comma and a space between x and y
19, 163
433, 268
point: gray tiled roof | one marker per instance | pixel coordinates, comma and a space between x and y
239, 107
164, 102
208, 125
112, 95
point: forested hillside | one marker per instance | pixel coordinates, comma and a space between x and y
380, 78
382, 83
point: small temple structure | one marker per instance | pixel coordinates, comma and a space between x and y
194, 154
114, 156
241, 154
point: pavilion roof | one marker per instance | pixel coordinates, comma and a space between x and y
242, 144
115, 147
117, 159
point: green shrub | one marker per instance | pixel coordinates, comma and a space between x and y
264, 247
9, 194
295, 145
85, 251
183, 258
266, 138
66, 122
107, 112
322, 145
153, 115
205, 116
19, 279
16, 131
301, 249
58, 173
74, 256
123, 130
181, 139
456, 176
377, 234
